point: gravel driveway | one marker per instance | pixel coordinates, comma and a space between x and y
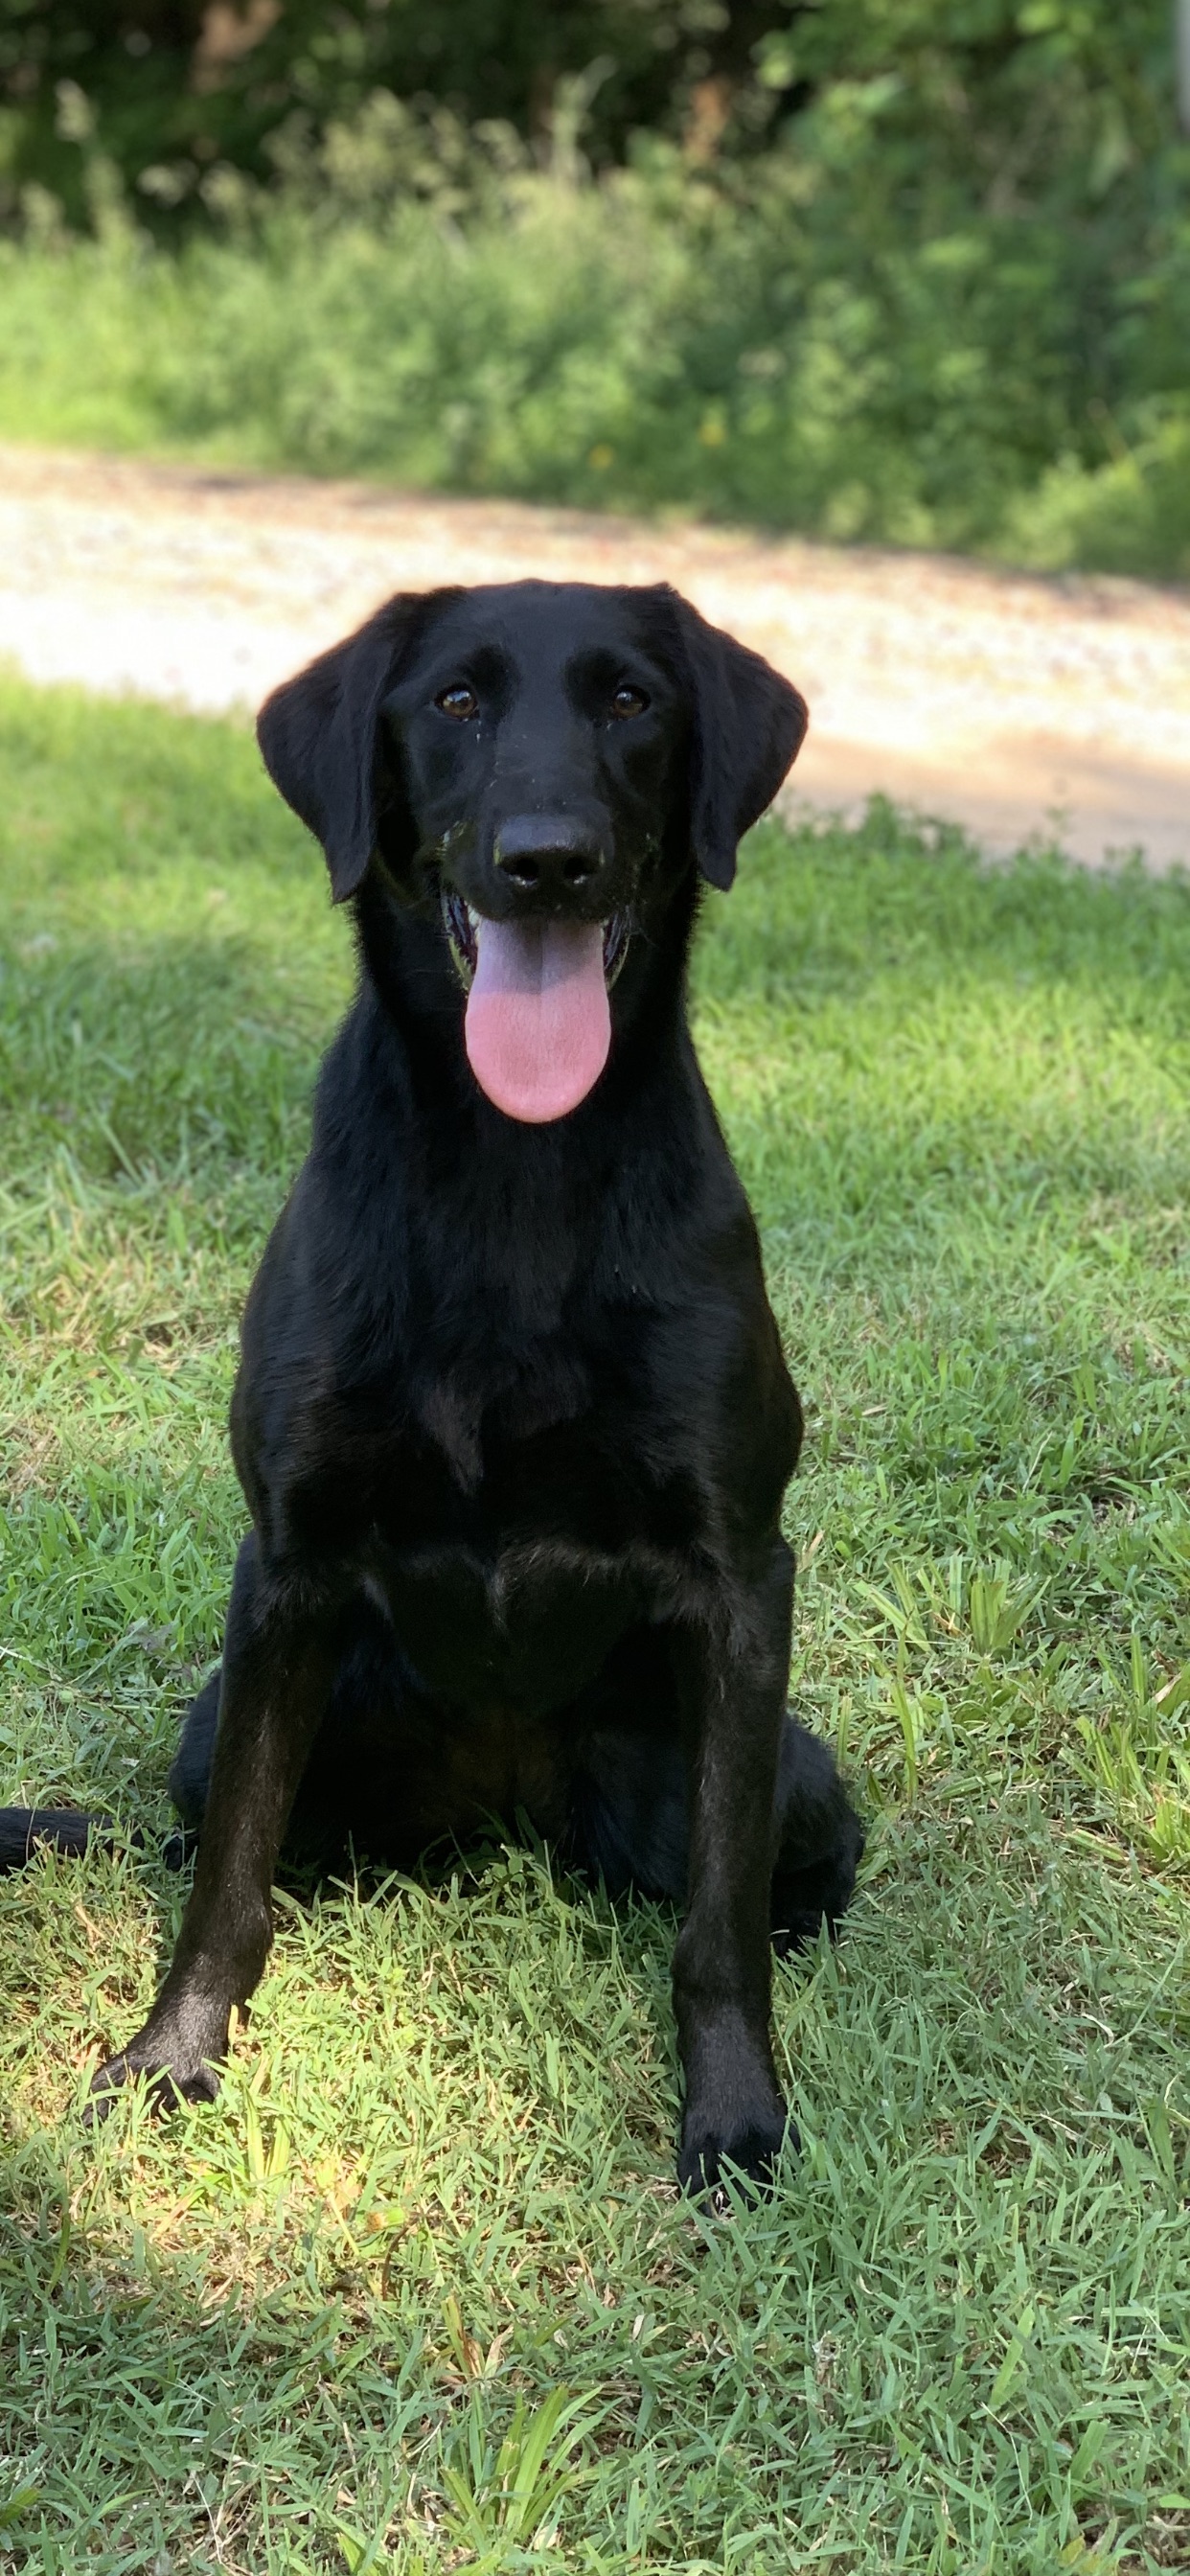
1016, 705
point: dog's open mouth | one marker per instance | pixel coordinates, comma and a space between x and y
538, 1026
463, 926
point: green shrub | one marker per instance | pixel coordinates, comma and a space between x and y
948, 304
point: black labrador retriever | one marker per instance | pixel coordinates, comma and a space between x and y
512, 1419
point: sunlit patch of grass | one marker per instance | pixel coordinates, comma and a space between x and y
417, 2293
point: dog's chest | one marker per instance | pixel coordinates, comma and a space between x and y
484, 1422
529, 1623
518, 1539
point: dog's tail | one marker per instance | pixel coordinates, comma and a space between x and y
26, 1830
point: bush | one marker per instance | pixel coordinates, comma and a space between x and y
948, 304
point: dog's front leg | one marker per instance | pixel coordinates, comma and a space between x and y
734, 1677
277, 1670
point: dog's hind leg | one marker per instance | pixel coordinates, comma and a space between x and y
819, 1841
190, 1773
630, 1805
632, 1827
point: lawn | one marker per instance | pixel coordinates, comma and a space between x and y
417, 2293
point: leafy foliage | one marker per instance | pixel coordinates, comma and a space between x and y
906, 272
179, 84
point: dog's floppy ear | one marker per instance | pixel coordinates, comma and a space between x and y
749, 725
319, 735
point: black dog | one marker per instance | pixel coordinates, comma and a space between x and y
512, 1419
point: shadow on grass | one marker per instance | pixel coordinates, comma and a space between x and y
313, 2307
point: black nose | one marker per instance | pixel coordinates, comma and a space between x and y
550, 854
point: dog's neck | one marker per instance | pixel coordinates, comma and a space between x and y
465, 1191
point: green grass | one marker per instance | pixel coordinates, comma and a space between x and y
417, 2292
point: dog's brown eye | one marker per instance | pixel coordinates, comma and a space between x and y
628, 701
458, 701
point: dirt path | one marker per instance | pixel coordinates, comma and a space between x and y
994, 698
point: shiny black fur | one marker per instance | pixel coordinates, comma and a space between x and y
512, 1420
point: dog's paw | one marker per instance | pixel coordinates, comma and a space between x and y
170, 2076
744, 2150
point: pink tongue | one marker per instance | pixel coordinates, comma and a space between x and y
538, 1026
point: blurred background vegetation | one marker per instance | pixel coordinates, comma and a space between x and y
908, 270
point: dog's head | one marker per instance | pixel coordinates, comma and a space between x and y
533, 761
